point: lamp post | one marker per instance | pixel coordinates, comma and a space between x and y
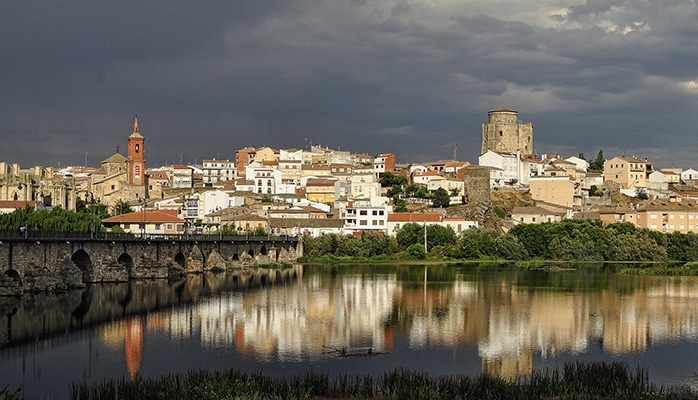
21, 186
144, 205
93, 225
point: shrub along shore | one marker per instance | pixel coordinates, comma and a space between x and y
594, 380
569, 240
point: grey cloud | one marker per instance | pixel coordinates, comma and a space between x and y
208, 79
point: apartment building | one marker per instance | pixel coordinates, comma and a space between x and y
382, 163
668, 215
218, 170
628, 172
366, 216
557, 190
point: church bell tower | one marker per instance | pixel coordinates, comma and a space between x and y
136, 161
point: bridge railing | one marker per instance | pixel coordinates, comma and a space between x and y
111, 236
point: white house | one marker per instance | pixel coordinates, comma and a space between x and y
266, 179
509, 166
366, 216
689, 175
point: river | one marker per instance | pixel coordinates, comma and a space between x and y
351, 319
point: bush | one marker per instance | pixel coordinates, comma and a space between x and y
417, 251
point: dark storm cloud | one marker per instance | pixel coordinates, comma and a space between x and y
368, 76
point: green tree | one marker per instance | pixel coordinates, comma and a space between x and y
629, 247
438, 235
121, 207
441, 198
417, 251
508, 247
597, 164
641, 194
410, 190
421, 192
409, 234
390, 180
400, 205
478, 243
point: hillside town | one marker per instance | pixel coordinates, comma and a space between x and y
321, 190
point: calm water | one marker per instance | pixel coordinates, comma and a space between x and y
442, 319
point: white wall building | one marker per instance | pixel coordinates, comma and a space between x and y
266, 179
508, 164
366, 216
218, 170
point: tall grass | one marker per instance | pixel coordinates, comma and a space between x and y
594, 380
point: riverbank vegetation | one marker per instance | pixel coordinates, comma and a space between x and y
594, 380
569, 240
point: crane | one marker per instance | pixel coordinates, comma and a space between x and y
455, 148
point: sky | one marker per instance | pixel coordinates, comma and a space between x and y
369, 76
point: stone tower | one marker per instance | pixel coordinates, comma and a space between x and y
136, 161
505, 133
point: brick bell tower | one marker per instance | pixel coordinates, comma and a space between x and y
136, 162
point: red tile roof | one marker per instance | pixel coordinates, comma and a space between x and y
150, 216
415, 217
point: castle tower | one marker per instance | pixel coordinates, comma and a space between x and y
505, 133
136, 162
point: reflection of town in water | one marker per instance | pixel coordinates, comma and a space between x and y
507, 319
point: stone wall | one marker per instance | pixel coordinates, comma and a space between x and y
476, 185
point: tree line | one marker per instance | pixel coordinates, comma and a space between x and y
569, 240
88, 216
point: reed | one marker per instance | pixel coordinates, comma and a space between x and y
595, 380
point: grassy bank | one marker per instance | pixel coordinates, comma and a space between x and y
574, 381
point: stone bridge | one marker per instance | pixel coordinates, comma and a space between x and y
36, 263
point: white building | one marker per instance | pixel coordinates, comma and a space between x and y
508, 165
366, 216
217, 170
266, 179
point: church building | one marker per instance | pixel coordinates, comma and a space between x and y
122, 177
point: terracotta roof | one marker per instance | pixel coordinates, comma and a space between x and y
415, 217
503, 109
150, 216
666, 205
17, 204
533, 210
321, 182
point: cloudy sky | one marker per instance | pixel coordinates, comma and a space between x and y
207, 78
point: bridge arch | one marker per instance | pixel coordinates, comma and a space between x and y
14, 275
126, 261
263, 250
250, 252
180, 259
82, 260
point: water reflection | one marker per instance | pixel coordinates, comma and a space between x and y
509, 316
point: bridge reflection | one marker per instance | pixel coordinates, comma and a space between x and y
42, 315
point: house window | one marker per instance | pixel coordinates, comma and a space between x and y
169, 227
158, 227
363, 222
363, 212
